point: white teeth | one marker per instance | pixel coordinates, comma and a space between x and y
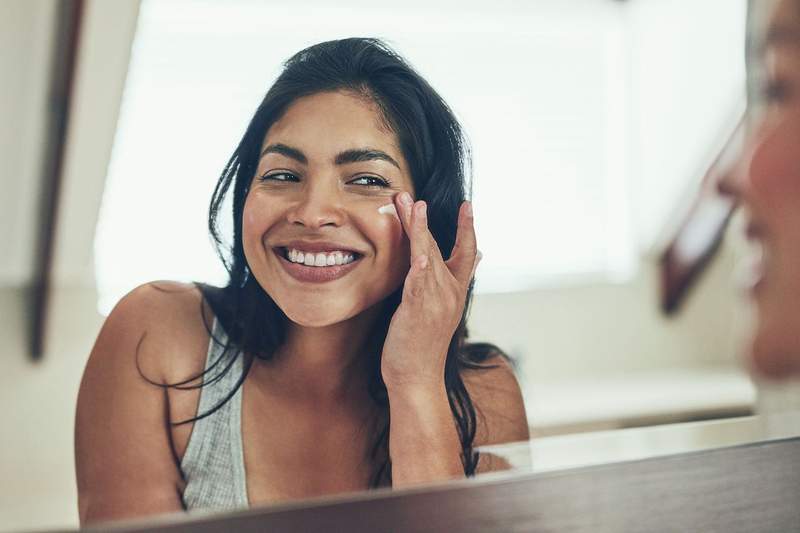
319, 259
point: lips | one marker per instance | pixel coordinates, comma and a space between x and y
313, 274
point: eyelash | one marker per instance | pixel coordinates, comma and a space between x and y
774, 91
272, 176
383, 182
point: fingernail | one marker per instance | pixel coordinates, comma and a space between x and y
405, 198
422, 210
469, 209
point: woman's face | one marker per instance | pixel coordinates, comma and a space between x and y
769, 186
326, 168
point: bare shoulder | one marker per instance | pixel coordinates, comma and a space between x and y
125, 463
499, 406
169, 320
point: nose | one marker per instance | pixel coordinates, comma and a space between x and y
731, 163
730, 182
318, 205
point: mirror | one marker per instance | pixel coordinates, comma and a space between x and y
591, 129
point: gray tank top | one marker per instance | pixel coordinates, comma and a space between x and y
213, 463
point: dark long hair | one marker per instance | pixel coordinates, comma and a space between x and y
434, 146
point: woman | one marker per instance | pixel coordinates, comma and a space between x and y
335, 358
767, 181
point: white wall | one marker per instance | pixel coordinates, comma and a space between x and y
26, 39
613, 329
36, 462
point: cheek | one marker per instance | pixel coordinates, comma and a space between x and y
250, 220
774, 174
388, 238
257, 216
775, 349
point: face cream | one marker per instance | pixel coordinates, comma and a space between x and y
388, 209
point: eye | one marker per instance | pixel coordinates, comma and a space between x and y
774, 92
279, 176
372, 181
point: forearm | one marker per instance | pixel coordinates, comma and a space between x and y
423, 441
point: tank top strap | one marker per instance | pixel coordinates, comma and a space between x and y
213, 463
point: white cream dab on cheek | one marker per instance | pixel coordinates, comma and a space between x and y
388, 209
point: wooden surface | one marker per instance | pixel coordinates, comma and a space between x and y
748, 488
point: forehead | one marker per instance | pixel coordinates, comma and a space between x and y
783, 28
327, 123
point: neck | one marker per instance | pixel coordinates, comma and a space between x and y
329, 363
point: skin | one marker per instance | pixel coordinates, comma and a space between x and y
767, 181
128, 454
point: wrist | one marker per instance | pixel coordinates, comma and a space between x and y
416, 393
413, 380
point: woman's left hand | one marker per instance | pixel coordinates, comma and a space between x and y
434, 294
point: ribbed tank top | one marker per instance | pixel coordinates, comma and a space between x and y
213, 463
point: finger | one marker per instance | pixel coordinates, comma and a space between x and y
415, 284
422, 241
462, 260
414, 220
404, 204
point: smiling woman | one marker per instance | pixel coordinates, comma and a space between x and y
335, 358
767, 182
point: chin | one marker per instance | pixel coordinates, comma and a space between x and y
319, 312
315, 311
775, 351
313, 318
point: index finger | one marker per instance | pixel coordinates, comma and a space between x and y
463, 258
404, 204
414, 221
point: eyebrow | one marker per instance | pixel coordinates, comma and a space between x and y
288, 151
354, 155
364, 154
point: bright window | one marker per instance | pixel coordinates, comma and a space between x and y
567, 125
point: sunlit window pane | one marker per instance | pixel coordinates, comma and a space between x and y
545, 92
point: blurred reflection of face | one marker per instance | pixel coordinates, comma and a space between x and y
327, 165
769, 186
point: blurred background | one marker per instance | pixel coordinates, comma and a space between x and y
592, 124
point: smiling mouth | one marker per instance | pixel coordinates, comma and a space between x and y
318, 259
316, 274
